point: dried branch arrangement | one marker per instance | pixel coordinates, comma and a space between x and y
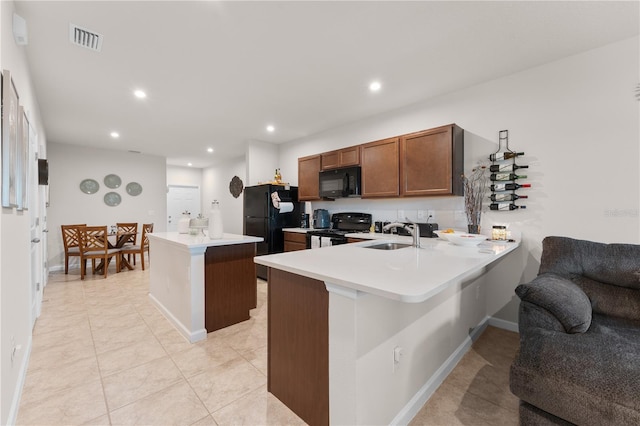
475, 188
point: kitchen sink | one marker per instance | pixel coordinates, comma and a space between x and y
388, 246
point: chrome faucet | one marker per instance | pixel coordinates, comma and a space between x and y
414, 230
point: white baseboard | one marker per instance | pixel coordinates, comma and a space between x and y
503, 324
22, 377
416, 403
191, 336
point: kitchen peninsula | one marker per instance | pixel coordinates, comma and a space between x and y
364, 336
200, 284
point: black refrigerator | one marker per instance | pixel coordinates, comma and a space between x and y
263, 219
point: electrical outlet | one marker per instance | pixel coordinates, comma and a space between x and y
398, 352
401, 215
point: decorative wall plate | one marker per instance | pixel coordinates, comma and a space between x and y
89, 186
236, 186
112, 199
134, 188
112, 181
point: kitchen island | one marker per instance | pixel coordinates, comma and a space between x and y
364, 336
200, 284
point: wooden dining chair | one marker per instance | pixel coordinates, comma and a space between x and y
129, 227
71, 241
94, 246
147, 228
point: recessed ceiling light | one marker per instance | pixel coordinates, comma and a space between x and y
140, 94
209, 149
189, 164
375, 86
270, 128
115, 135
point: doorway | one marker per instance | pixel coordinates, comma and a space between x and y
181, 198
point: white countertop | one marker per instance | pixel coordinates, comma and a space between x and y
201, 242
409, 274
299, 230
361, 235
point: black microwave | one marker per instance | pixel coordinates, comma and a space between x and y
338, 183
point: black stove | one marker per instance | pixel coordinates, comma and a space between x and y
342, 224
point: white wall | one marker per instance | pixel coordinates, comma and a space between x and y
187, 176
261, 163
15, 265
69, 165
577, 121
215, 186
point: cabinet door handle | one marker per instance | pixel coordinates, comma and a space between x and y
35, 240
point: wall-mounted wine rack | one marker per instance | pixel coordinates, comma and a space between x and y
503, 176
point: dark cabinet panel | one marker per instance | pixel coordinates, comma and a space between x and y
230, 285
298, 345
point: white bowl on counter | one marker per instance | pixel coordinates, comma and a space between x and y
462, 239
445, 235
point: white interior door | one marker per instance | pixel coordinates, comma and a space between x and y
36, 273
181, 198
37, 243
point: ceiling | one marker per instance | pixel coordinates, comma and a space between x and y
217, 73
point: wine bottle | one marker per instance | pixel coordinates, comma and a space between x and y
505, 176
499, 187
506, 167
498, 156
505, 206
506, 196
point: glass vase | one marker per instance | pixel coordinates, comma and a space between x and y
473, 229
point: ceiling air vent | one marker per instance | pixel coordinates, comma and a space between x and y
85, 38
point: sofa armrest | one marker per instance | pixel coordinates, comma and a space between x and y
532, 316
560, 297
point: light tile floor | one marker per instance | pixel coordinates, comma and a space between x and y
104, 355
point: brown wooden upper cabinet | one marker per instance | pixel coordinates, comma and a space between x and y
308, 182
341, 158
432, 162
429, 162
380, 172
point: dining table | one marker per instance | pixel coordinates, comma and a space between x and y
117, 240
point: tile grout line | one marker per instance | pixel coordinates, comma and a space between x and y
95, 351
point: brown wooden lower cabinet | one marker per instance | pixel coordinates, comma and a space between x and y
294, 241
298, 345
356, 240
230, 290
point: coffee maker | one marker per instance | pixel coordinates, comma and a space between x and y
321, 219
